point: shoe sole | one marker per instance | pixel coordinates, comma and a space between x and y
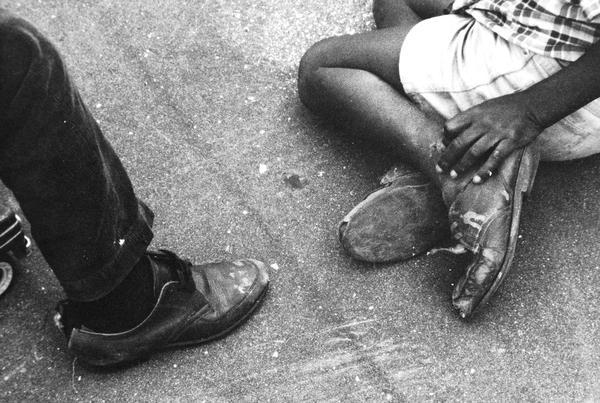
416, 221
523, 186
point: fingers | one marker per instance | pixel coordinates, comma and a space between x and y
475, 153
471, 135
454, 127
502, 150
461, 155
457, 149
457, 124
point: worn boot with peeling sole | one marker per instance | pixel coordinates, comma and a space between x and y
485, 219
404, 218
194, 304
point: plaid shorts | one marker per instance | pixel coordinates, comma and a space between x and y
451, 63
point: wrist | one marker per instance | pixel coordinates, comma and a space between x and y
541, 108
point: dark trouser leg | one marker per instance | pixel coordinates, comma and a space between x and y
68, 180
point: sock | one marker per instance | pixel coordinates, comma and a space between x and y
126, 306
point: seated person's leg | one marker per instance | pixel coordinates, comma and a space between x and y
428, 8
90, 226
354, 80
391, 13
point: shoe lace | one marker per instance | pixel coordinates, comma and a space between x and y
179, 268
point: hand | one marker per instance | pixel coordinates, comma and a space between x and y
496, 128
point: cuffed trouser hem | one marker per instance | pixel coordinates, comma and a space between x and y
110, 275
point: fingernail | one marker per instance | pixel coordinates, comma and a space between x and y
438, 169
477, 179
453, 174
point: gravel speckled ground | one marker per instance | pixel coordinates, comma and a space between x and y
199, 99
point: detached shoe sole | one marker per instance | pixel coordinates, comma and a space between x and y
485, 219
405, 218
525, 178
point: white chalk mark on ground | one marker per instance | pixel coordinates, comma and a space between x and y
347, 325
336, 340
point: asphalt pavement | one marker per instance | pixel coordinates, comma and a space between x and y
199, 100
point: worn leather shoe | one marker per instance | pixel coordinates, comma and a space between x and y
402, 219
485, 219
195, 304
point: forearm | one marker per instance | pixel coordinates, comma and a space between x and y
564, 92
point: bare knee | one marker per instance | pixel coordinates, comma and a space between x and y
308, 77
